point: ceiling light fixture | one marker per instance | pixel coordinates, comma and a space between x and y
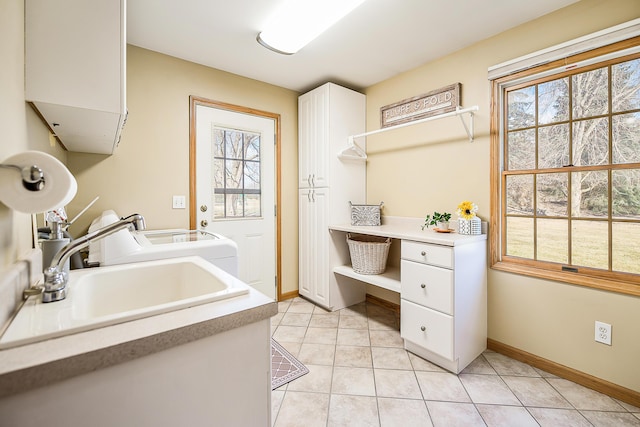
297, 22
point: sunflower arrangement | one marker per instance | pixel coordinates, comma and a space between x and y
467, 210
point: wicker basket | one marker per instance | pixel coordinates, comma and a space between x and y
368, 253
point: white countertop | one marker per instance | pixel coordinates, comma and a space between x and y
41, 363
410, 229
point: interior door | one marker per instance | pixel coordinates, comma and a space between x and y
235, 186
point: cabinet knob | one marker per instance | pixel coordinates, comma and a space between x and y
423, 253
423, 328
423, 286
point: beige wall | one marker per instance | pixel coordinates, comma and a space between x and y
21, 129
432, 167
151, 163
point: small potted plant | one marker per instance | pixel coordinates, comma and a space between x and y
440, 220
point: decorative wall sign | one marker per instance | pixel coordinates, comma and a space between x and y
436, 102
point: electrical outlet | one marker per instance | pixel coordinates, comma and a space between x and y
603, 332
179, 202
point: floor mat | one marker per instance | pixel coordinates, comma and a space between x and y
284, 367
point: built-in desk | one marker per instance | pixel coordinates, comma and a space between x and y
441, 279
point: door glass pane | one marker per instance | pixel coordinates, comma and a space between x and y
218, 142
589, 194
233, 174
625, 86
591, 142
233, 144
590, 244
252, 205
553, 101
626, 247
520, 195
522, 150
626, 194
626, 143
520, 237
234, 205
552, 240
218, 206
252, 175
218, 173
552, 194
590, 93
252, 146
521, 106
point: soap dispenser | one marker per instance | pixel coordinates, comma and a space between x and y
53, 244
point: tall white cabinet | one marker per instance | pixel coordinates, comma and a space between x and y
327, 116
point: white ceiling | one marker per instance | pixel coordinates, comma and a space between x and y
379, 39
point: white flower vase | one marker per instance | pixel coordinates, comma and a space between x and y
470, 226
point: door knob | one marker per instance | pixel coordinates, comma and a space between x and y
203, 208
204, 223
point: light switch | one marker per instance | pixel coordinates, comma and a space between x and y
179, 202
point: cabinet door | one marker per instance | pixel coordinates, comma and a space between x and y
305, 243
313, 138
305, 139
313, 245
322, 271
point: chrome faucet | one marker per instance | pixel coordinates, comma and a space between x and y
55, 278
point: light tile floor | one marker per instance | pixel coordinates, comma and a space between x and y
360, 375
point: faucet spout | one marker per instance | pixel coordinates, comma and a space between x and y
55, 284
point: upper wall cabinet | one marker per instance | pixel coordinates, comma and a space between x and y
75, 70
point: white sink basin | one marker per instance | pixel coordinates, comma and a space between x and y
108, 295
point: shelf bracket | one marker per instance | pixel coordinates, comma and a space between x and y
468, 129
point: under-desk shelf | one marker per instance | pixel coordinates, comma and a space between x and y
390, 279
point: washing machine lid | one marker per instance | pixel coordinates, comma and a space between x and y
162, 237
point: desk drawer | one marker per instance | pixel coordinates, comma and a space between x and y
426, 253
427, 328
427, 285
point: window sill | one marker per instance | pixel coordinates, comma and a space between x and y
609, 285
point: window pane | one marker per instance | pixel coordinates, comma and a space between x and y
591, 142
552, 240
520, 194
233, 144
589, 194
552, 194
218, 206
590, 93
626, 247
521, 106
233, 174
626, 143
553, 101
520, 237
553, 146
590, 244
252, 146
252, 205
625, 86
252, 175
625, 196
234, 205
522, 150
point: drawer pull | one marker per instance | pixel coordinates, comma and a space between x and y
423, 328
423, 286
423, 253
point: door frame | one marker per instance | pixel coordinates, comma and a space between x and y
194, 101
